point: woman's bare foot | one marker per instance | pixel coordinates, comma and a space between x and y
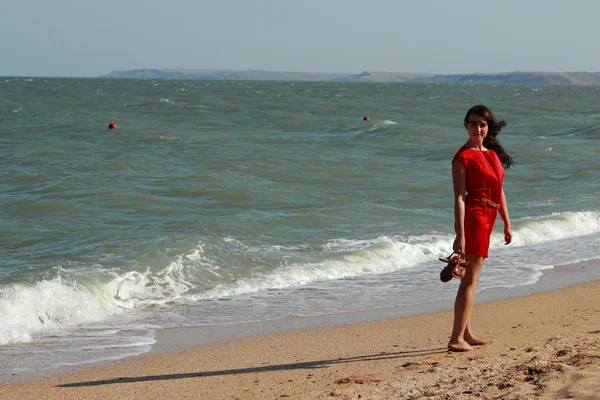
473, 341
459, 346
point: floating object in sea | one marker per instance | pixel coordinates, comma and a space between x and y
365, 118
112, 126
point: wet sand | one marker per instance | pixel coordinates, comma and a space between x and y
545, 344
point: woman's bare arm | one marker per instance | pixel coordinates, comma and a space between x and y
504, 215
458, 180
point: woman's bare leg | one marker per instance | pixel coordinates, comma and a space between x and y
470, 338
463, 306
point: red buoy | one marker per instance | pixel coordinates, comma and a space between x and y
365, 118
112, 126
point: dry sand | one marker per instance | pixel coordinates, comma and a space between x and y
546, 346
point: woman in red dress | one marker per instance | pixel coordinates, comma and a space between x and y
477, 175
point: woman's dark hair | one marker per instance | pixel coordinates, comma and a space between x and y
494, 126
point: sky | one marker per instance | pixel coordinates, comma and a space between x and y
91, 38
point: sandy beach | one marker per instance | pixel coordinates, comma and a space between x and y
544, 345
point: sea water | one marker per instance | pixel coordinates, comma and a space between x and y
221, 203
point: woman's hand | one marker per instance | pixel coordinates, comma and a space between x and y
459, 245
508, 235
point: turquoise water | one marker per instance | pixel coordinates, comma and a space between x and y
218, 203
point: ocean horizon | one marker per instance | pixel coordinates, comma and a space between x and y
518, 77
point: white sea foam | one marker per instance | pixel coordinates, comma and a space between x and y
555, 227
381, 124
135, 289
49, 306
52, 305
355, 258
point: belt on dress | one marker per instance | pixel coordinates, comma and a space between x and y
488, 202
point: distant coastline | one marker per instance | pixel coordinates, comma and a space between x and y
506, 78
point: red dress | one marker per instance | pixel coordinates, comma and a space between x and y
484, 176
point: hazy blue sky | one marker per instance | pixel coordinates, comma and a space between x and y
92, 38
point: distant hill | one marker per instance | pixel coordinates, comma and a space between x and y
252, 75
520, 78
512, 78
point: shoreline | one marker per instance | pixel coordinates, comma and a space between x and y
546, 344
173, 340
556, 278
172, 344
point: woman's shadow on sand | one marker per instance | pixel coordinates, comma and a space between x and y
267, 368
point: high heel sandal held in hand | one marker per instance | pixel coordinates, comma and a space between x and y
456, 267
